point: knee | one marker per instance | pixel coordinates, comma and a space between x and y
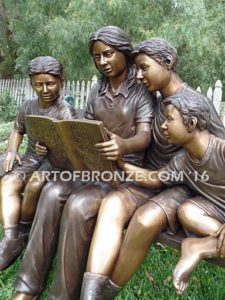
84, 204
34, 186
185, 212
75, 208
148, 218
10, 183
114, 205
52, 193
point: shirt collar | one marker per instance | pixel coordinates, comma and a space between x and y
124, 90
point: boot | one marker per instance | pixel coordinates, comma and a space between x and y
24, 228
92, 286
22, 296
110, 290
11, 246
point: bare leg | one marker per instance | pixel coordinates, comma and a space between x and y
114, 213
31, 195
196, 220
11, 189
146, 224
193, 251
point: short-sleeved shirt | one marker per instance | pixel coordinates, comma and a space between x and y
206, 177
60, 110
122, 111
160, 152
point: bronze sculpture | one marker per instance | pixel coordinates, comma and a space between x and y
156, 62
203, 214
126, 110
46, 76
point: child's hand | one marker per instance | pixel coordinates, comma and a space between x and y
220, 234
11, 156
41, 150
113, 149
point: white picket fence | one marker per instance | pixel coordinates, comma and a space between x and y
21, 90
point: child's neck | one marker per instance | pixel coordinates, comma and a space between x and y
174, 85
198, 145
116, 82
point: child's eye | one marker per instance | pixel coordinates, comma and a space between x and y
109, 54
96, 57
145, 68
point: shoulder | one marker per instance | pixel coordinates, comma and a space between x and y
28, 104
95, 89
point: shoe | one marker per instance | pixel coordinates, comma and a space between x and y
11, 247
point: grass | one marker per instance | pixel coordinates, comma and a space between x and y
153, 281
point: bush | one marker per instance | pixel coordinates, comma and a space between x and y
8, 110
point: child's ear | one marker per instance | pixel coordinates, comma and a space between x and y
169, 62
192, 124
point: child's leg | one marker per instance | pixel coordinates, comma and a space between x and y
11, 188
114, 213
198, 221
193, 250
31, 195
11, 244
146, 224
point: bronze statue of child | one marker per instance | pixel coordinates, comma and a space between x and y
46, 76
201, 167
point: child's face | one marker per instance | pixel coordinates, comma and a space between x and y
47, 87
108, 60
152, 75
174, 129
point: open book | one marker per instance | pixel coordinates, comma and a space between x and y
70, 143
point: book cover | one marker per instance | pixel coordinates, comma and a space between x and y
70, 143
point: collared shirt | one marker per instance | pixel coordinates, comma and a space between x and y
122, 110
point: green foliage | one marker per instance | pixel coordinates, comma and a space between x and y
29, 28
8, 110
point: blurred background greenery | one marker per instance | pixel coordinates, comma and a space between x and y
29, 28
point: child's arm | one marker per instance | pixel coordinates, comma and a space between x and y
144, 177
14, 142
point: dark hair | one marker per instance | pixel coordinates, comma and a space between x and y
191, 104
114, 37
160, 50
45, 65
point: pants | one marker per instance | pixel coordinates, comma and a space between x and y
77, 227
43, 237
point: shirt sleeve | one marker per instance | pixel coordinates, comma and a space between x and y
19, 123
68, 112
145, 108
172, 173
89, 110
